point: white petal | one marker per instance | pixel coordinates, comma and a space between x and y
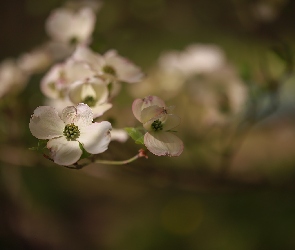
81, 115
163, 143
136, 108
85, 54
96, 137
119, 135
45, 123
64, 152
75, 92
126, 71
100, 109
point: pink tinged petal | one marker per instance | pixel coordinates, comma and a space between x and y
163, 143
45, 123
171, 121
96, 137
151, 101
136, 108
81, 115
64, 152
100, 109
152, 113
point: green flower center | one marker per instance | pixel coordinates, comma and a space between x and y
71, 132
157, 125
109, 70
73, 41
89, 100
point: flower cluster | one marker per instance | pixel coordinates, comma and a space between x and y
81, 86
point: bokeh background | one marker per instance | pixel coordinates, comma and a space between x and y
160, 202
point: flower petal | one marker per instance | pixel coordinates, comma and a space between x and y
96, 137
45, 123
163, 143
140, 104
171, 121
81, 115
136, 108
152, 113
64, 152
100, 109
119, 135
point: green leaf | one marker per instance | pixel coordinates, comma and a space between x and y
85, 154
41, 146
135, 134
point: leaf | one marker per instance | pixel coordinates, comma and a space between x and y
135, 134
85, 154
41, 146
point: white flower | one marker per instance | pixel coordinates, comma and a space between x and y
35, 61
12, 78
67, 131
195, 59
110, 65
56, 82
158, 121
93, 92
66, 26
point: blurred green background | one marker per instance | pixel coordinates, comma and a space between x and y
159, 203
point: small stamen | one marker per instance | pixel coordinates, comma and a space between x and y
89, 100
157, 125
71, 132
109, 70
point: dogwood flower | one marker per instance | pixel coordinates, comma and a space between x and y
70, 27
158, 121
111, 66
93, 92
12, 78
65, 133
56, 82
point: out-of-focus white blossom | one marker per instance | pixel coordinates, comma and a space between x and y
195, 59
65, 133
158, 120
71, 27
57, 80
166, 84
110, 66
221, 95
35, 61
12, 78
119, 135
93, 92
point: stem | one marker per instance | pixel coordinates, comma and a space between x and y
140, 154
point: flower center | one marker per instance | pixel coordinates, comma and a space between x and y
89, 100
109, 70
157, 125
71, 132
